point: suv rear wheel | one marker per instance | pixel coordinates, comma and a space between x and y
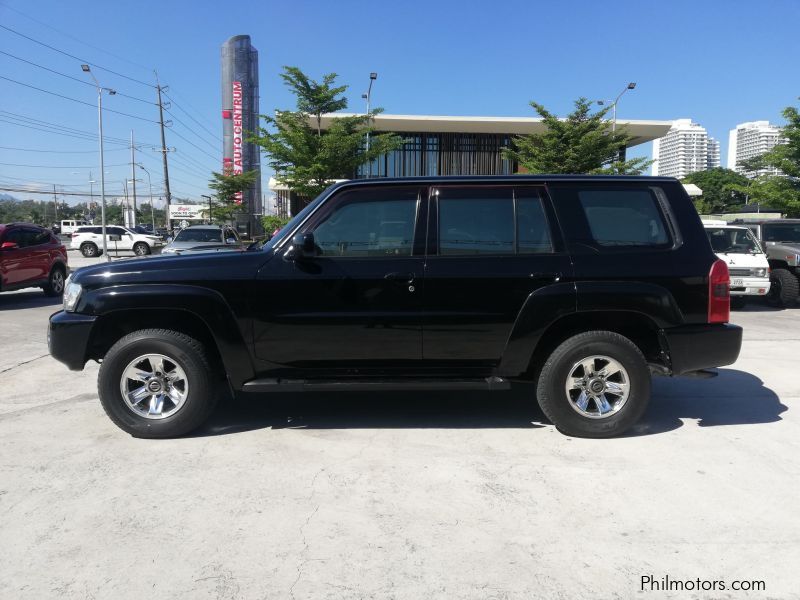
783, 288
156, 383
88, 249
55, 282
594, 384
141, 249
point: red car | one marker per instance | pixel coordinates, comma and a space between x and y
31, 256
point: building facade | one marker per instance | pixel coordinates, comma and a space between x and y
748, 140
686, 148
240, 116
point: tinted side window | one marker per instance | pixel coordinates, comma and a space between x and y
476, 220
370, 222
17, 236
624, 217
115, 230
533, 233
39, 236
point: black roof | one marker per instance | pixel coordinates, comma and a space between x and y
767, 221
504, 179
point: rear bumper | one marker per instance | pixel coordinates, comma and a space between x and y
695, 347
749, 286
68, 338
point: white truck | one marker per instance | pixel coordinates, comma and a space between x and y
746, 260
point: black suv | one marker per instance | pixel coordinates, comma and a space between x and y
584, 285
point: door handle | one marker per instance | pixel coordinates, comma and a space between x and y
400, 277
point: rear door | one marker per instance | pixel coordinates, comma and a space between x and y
38, 252
19, 263
489, 249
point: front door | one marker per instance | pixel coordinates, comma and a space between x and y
355, 306
489, 249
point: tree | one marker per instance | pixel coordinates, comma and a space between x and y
722, 189
307, 159
583, 142
226, 187
272, 222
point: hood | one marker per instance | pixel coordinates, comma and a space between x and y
188, 268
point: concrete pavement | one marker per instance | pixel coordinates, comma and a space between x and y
389, 496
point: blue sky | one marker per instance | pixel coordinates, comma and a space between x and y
717, 62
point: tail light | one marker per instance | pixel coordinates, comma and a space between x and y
719, 293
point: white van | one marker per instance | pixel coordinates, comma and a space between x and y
747, 263
69, 227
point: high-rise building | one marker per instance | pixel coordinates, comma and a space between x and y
239, 119
687, 148
749, 140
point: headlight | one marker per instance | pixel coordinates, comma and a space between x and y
762, 272
72, 291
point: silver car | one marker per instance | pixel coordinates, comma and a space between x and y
203, 237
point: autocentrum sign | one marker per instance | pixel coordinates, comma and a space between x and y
190, 212
237, 134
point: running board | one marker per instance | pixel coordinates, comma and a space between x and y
359, 385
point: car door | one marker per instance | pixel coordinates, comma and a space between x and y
355, 306
125, 241
38, 250
18, 263
489, 248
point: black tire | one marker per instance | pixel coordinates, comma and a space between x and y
89, 250
738, 302
188, 353
55, 282
553, 398
141, 249
784, 288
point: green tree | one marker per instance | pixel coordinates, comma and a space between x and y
306, 158
581, 143
226, 187
722, 189
272, 222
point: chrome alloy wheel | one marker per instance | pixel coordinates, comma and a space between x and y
597, 387
154, 386
57, 281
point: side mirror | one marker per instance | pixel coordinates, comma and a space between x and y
9, 246
230, 241
169, 238
303, 245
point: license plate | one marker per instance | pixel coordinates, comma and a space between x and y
737, 282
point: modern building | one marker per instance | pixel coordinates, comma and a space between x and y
447, 145
686, 148
749, 140
239, 117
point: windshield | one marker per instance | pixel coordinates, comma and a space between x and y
731, 239
781, 232
199, 235
296, 219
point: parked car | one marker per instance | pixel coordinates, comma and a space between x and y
69, 226
56, 228
583, 286
747, 263
203, 237
89, 240
31, 256
781, 240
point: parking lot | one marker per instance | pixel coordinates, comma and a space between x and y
438, 495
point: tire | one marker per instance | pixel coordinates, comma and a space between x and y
182, 355
784, 288
738, 302
89, 250
562, 407
141, 249
55, 282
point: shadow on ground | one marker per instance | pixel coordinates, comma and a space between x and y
27, 298
733, 398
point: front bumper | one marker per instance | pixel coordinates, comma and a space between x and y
749, 286
695, 347
68, 338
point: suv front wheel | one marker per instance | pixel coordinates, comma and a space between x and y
88, 249
156, 383
141, 249
595, 385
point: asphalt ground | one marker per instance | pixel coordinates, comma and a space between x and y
439, 495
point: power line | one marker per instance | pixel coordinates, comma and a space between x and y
177, 105
214, 158
57, 167
214, 146
82, 60
117, 92
74, 99
58, 151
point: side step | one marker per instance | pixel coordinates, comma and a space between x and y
366, 385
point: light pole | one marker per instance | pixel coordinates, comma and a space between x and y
111, 92
210, 215
150, 184
368, 96
630, 86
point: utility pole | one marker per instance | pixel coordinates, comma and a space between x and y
164, 151
133, 180
55, 201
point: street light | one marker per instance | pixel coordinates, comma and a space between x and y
210, 215
150, 184
100, 89
368, 96
630, 86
